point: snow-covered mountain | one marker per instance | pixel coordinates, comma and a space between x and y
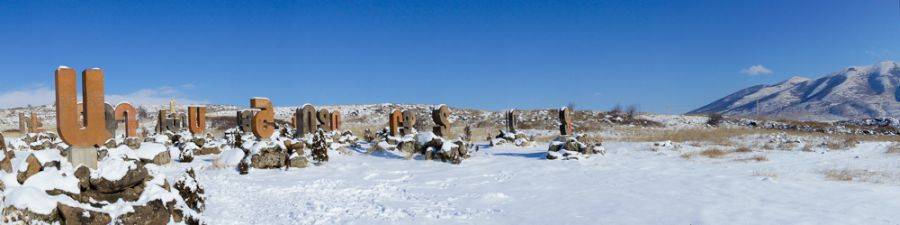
853, 93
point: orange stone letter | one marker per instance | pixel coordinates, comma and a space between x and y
394, 121
125, 112
197, 119
263, 123
67, 119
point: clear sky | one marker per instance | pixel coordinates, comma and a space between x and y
663, 56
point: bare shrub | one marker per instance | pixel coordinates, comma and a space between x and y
687, 155
714, 119
631, 112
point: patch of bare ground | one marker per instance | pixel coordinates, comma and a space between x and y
743, 149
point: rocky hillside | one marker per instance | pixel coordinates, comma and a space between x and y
852, 93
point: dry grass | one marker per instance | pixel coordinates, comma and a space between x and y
757, 158
743, 149
714, 153
860, 175
765, 174
845, 144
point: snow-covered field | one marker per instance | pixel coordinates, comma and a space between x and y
507, 185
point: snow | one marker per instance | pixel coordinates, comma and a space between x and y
113, 168
52, 179
509, 185
30, 198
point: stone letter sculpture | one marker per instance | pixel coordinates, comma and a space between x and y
511, 121
336, 120
126, 113
263, 122
245, 120
565, 121
94, 133
34, 124
409, 122
109, 114
306, 120
23, 123
441, 117
394, 120
324, 119
197, 119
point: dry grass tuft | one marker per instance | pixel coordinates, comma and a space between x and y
743, 149
758, 158
765, 174
859, 175
846, 144
714, 153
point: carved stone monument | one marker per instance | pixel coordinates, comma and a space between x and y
409, 122
306, 120
511, 121
81, 139
336, 120
263, 123
127, 114
23, 123
566, 127
245, 120
197, 119
34, 124
441, 117
394, 120
324, 118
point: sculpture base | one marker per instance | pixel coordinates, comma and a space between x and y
83, 157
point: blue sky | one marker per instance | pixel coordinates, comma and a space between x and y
663, 56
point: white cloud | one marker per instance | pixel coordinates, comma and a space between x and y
42, 95
35, 95
756, 70
154, 96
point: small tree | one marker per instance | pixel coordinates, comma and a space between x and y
714, 119
632, 111
616, 110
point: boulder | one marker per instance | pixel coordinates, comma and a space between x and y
34, 166
6, 163
154, 213
78, 216
13, 215
133, 143
162, 158
268, 158
132, 178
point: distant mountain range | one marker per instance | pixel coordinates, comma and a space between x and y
852, 93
